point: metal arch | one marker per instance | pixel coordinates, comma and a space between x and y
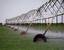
44, 19
47, 6
39, 9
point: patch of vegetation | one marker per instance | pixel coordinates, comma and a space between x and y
10, 40
53, 27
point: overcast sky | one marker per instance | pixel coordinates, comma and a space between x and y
13, 8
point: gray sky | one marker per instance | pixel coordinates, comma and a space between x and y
13, 8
